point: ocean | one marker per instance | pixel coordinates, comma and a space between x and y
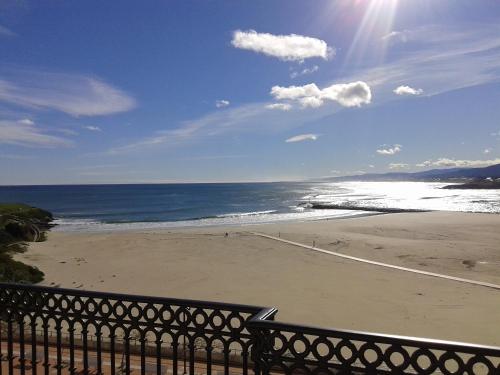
150, 206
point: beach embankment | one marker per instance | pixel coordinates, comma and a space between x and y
19, 224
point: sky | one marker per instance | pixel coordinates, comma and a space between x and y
228, 90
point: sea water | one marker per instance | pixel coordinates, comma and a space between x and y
150, 206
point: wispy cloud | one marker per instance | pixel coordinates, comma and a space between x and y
74, 94
213, 157
6, 32
93, 128
445, 162
26, 121
352, 94
395, 37
65, 131
351, 173
222, 103
207, 126
251, 118
407, 90
15, 157
446, 59
389, 150
399, 166
285, 47
486, 150
302, 137
28, 135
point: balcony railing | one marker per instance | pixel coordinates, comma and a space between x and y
62, 331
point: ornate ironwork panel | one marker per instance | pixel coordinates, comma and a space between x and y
293, 349
61, 330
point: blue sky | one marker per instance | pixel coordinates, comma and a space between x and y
194, 91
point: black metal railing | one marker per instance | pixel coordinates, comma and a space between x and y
62, 331
295, 349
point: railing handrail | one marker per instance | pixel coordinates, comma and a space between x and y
138, 298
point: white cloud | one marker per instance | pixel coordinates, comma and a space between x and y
92, 128
22, 134
285, 47
296, 73
26, 121
487, 151
352, 94
389, 150
6, 32
445, 162
295, 92
407, 90
280, 106
311, 102
399, 166
77, 95
222, 103
302, 137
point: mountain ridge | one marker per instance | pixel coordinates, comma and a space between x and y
444, 174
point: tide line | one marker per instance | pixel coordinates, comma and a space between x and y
380, 264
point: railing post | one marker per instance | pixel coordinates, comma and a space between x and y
10, 343
260, 347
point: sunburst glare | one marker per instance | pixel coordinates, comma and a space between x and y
377, 22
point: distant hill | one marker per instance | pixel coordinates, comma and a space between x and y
448, 174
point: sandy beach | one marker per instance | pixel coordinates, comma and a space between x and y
306, 286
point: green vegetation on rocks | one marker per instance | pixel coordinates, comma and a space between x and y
20, 224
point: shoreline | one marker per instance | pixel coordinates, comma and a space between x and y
172, 225
134, 226
307, 287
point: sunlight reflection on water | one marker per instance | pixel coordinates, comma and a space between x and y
406, 195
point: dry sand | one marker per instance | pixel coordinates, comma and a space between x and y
306, 286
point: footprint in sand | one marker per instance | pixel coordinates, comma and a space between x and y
469, 264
